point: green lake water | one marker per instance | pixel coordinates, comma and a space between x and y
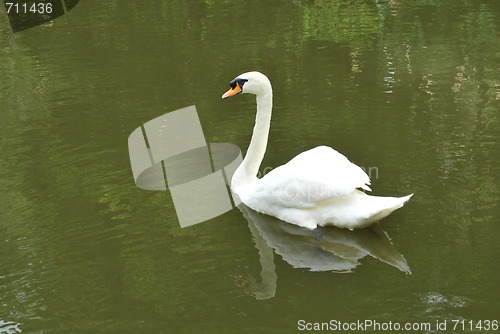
409, 90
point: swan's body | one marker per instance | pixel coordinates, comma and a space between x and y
316, 188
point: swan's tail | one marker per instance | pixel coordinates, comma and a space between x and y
357, 210
392, 204
403, 200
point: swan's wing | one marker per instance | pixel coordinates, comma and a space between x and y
311, 177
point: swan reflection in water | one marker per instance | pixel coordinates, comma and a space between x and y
322, 249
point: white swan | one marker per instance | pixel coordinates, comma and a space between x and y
316, 188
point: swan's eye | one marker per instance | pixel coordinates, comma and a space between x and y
241, 82
236, 87
237, 81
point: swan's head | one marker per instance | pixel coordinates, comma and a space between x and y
250, 82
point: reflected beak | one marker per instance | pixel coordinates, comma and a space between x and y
232, 91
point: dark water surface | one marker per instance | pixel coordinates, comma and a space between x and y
409, 90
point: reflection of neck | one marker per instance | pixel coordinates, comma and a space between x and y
247, 171
267, 288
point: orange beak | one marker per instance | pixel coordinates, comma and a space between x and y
232, 91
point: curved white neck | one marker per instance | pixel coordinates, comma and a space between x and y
247, 171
